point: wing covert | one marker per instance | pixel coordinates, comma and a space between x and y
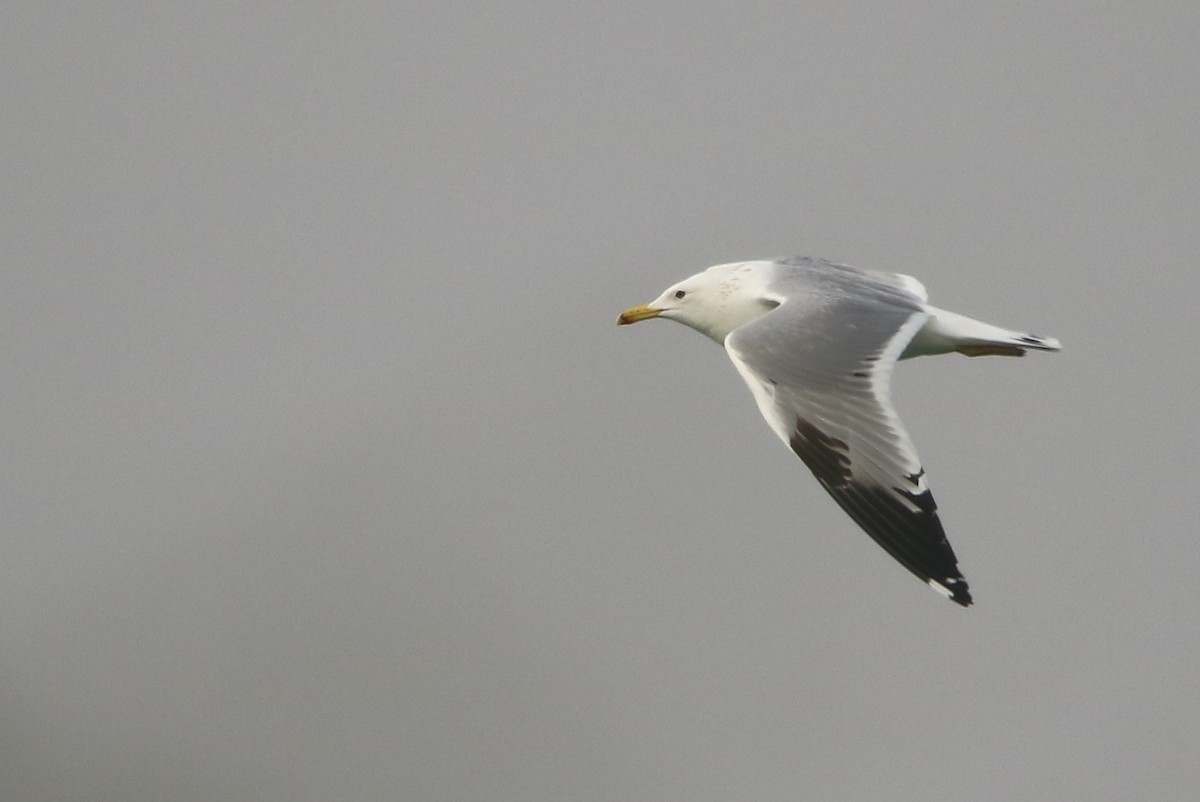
819, 366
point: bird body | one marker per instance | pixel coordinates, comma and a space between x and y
816, 342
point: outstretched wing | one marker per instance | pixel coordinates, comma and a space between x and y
819, 365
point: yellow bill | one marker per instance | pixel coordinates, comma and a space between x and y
636, 314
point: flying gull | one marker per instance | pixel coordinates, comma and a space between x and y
817, 342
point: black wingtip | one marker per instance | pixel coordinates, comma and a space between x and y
953, 588
904, 522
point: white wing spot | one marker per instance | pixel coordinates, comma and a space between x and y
933, 583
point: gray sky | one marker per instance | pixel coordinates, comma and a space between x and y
328, 475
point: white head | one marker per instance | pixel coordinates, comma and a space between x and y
714, 302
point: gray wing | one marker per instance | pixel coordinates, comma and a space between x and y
820, 366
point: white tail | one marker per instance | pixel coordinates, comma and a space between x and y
946, 332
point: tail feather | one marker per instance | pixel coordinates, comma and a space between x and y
1039, 343
947, 332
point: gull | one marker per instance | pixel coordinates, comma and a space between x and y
817, 343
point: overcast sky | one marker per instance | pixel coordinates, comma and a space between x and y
327, 474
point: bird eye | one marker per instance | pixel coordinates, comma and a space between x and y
680, 293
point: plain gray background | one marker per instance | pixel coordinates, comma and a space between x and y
327, 473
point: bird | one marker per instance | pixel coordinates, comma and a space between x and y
817, 342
